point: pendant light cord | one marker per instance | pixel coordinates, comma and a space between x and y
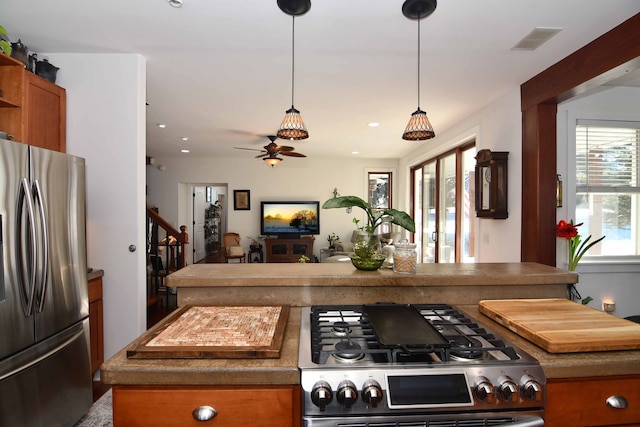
418, 63
293, 55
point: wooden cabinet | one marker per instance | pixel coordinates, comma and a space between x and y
580, 402
289, 250
33, 109
266, 406
96, 326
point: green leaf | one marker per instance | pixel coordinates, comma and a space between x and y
346, 202
586, 300
375, 217
5, 47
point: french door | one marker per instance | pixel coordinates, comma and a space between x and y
442, 191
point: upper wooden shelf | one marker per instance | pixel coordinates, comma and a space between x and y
6, 60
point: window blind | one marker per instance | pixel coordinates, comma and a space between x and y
607, 156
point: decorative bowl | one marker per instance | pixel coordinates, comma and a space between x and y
367, 264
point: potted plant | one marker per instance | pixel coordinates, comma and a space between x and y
256, 242
367, 247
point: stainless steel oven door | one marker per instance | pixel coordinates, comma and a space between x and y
481, 420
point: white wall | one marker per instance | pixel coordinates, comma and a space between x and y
610, 281
497, 127
293, 179
106, 126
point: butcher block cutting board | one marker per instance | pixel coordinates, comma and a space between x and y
223, 332
563, 326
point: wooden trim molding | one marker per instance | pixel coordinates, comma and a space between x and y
608, 57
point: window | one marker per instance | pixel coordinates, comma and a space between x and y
379, 189
442, 191
607, 185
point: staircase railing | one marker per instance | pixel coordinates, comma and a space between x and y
165, 254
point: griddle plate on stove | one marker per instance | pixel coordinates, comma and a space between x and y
399, 325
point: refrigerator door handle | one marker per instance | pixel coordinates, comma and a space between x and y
29, 290
42, 291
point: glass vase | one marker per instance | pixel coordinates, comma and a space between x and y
367, 250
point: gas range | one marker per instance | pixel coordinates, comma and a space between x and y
386, 364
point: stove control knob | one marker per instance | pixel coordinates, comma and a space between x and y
321, 394
371, 393
531, 389
484, 390
347, 393
508, 390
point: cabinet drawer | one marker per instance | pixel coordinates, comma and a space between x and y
276, 406
582, 401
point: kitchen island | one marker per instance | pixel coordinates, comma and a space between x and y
166, 391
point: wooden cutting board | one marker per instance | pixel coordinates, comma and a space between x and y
563, 326
229, 332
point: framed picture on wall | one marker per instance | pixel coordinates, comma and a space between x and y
241, 200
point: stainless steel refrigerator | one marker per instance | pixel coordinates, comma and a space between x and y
45, 373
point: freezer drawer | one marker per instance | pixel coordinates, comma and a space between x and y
48, 384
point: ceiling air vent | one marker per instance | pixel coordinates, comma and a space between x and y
536, 38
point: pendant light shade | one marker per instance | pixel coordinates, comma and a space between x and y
419, 127
292, 126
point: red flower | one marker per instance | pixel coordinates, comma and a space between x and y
566, 229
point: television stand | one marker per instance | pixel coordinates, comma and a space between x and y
288, 249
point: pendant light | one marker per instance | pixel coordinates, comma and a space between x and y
292, 126
419, 128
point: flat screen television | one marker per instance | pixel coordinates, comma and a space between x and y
289, 219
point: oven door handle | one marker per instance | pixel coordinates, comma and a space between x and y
526, 422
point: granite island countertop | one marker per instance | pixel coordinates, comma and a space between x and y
119, 370
298, 285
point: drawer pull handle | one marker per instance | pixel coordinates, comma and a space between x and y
617, 402
204, 413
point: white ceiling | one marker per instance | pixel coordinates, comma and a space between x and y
219, 71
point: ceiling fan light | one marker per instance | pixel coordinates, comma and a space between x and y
272, 161
419, 128
292, 126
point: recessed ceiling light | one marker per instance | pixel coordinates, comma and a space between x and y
373, 124
175, 3
185, 138
162, 125
355, 152
184, 151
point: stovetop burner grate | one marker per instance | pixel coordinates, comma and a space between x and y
344, 335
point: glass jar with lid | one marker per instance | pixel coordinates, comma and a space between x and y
405, 257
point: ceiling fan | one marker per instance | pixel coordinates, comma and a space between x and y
271, 151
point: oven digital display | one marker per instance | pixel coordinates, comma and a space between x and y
427, 390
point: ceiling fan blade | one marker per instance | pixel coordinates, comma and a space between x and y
282, 148
292, 154
251, 149
246, 133
262, 155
